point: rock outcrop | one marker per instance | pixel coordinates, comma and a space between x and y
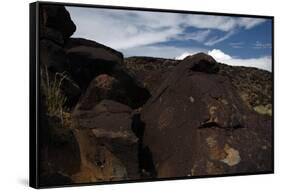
150, 71
145, 118
88, 59
55, 23
57, 142
107, 141
197, 124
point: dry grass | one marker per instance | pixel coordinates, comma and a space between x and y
55, 99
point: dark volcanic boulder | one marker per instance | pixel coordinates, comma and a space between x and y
57, 142
56, 27
52, 57
55, 23
202, 63
109, 148
88, 59
107, 87
197, 124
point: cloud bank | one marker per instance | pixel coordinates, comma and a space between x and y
123, 29
264, 62
141, 33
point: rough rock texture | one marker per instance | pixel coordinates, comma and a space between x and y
191, 102
107, 87
55, 23
56, 27
150, 71
253, 85
52, 56
107, 141
57, 142
88, 59
203, 117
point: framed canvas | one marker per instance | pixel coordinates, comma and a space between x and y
121, 94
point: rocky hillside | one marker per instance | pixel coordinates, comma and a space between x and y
106, 118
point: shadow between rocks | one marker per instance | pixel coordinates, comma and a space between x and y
146, 164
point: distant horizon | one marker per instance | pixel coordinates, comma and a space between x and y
237, 41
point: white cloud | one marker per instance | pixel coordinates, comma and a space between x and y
169, 52
216, 40
198, 36
223, 23
261, 62
264, 62
124, 29
219, 55
249, 23
184, 55
260, 45
138, 33
236, 44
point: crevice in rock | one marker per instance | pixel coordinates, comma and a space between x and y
216, 125
209, 125
145, 159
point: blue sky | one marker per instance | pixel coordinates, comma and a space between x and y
233, 40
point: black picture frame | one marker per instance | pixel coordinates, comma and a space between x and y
34, 93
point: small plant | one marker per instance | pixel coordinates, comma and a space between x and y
55, 99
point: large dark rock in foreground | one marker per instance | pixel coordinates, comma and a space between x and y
197, 124
57, 142
109, 147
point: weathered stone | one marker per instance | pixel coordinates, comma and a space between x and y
52, 57
88, 59
57, 142
107, 87
201, 62
187, 121
55, 23
107, 126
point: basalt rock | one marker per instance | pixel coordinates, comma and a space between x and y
198, 115
107, 87
55, 29
202, 62
109, 147
57, 143
88, 59
150, 71
55, 23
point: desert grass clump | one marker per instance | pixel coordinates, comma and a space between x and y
55, 99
